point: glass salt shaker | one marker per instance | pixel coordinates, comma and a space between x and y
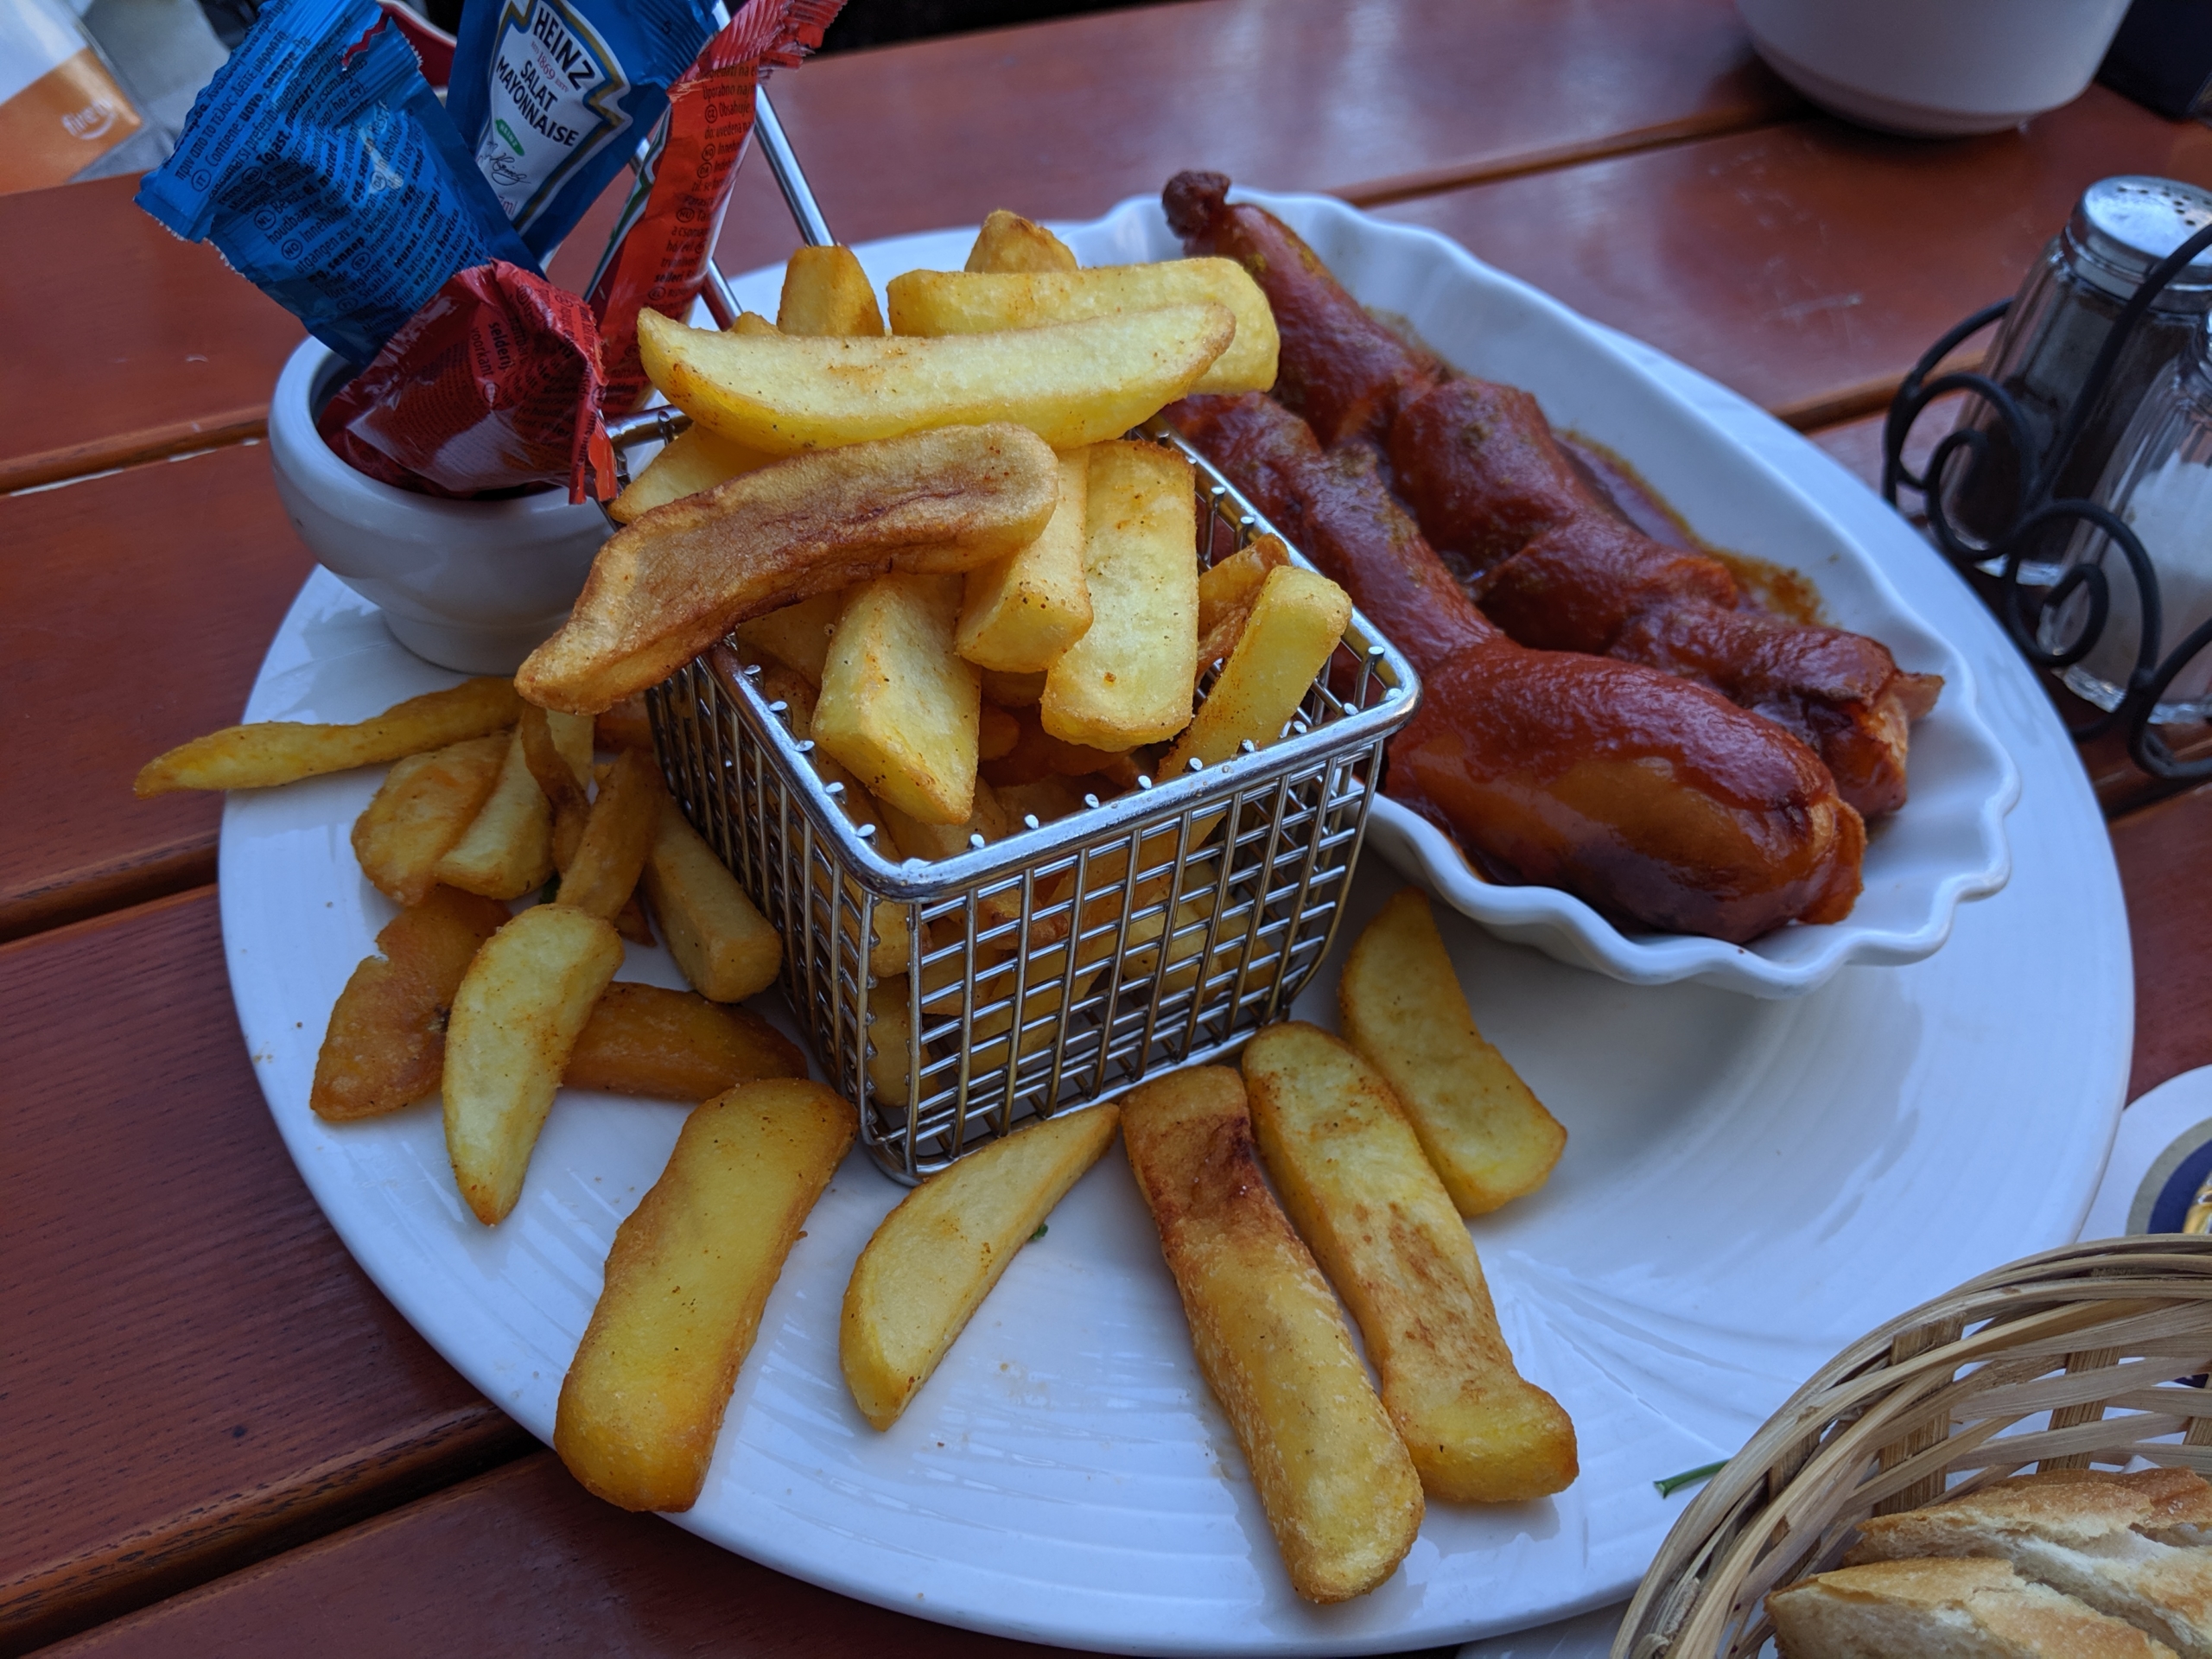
2120, 229
2159, 484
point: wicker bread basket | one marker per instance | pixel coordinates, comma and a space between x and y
2089, 1354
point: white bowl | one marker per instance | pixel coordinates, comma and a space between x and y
468, 585
1935, 68
1685, 436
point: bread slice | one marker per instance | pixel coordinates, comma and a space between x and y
2124, 1544
1944, 1610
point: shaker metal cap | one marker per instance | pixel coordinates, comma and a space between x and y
2122, 227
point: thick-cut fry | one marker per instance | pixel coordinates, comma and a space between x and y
935, 1256
519, 1012
694, 460
1128, 680
618, 835
1490, 1139
560, 774
890, 936
1338, 1488
275, 752
424, 805
1358, 1184
689, 1271
1294, 625
897, 706
935, 303
1018, 614
385, 1047
721, 941
890, 1031
643, 1039
797, 635
1047, 799
1234, 583
1069, 383
664, 589
920, 839
752, 322
826, 292
1009, 242
626, 725
997, 733
507, 849
1036, 753
1013, 690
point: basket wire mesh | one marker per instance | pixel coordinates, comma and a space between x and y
1061, 966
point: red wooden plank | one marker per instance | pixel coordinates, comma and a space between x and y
1368, 100
196, 1373
123, 343
522, 1561
2162, 852
134, 611
1809, 264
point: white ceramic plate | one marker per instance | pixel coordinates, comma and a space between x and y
1748, 1185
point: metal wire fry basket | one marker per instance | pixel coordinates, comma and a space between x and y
1066, 962
2086, 1354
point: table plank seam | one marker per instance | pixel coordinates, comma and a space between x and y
57, 1599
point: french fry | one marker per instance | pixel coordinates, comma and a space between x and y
1294, 627
689, 1271
1338, 1488
626, 725
1048, 799
1355, 1180
424, 805
618, 834
722, 943
797, 635
1038, 754
1012, 690
940, 302
1399, 1001
385, 1047
937, 1255
897, 706
520, 1008
692, 460
1009, 242
273, 752
1227, 591
752, 322
1069, 383
826, 292
507, 849
555, 767
988, 819
1018, 614
997, 732
889, 935
643, 1039
666, 588
1128, 680
890, 1034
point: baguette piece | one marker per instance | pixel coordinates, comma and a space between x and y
2089, 1534
1944, 1610
1339, 1490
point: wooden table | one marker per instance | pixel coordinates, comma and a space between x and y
218, 1437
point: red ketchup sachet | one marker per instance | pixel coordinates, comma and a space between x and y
657, 256
494, 384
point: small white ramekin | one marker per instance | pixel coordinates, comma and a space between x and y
468, 585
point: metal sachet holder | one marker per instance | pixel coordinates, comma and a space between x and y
2021, 610
1065, 964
